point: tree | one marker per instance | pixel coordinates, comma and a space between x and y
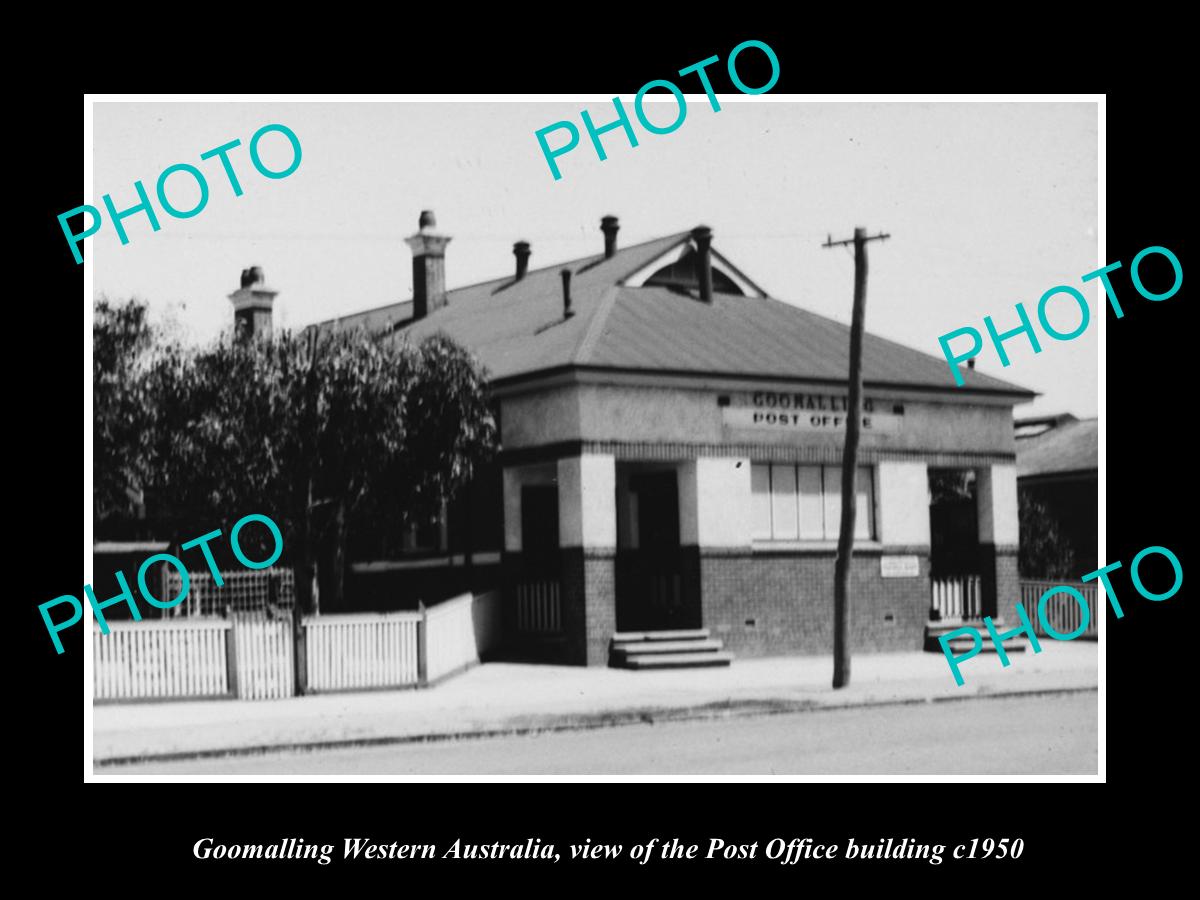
450, 432
122, 344
1045, 551
312, 429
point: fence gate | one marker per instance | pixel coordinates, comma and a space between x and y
263, 648
258, 607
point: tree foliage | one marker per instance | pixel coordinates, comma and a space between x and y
317, 430
122, 340
1045, 550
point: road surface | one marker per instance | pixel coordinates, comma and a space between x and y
1040, 734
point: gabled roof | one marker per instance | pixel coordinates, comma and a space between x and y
517, 329
1072, 446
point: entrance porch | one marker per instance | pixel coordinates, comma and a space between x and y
972, 555
602, 563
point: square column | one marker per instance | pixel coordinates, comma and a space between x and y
999, 535
587, 501
587, 516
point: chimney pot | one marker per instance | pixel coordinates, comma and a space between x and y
610, 227
702, 235
566, 280
522, 252
426, 220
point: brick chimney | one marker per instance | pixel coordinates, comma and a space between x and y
521, 251
702, 235
610, 228
429, 266
252, 304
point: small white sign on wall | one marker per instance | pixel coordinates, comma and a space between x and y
899, 566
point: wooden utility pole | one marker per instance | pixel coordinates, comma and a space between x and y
841, 573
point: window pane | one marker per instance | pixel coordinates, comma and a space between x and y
812, 511
833, 501
864, 488
760, 499
784, 510
864, 515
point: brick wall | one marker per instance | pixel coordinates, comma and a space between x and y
1000, 581
1008, 580
781, 603
588, 605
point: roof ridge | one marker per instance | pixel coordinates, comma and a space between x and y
600, 257
572, 263
595, 327
597, 257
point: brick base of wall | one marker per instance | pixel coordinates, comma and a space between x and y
766, 604
589, 605
763, 604
1000, 567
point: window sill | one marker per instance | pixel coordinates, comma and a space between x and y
860, 545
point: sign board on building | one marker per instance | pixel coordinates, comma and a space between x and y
776, 411
899, 566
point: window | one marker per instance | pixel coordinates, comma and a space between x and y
790, 503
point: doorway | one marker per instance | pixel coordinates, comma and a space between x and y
650, 587
954, 556
539, 524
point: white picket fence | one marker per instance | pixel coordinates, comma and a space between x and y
362, 650
253, 658
161, 659
263, 665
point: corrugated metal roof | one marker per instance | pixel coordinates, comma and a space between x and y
518, 328
1071, 447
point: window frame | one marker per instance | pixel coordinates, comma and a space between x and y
830, 504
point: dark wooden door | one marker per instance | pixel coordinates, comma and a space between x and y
954, 538
539, 522
650, 584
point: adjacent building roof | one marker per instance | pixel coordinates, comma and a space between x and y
518, 329
1070, 447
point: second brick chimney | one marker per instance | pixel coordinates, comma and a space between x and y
252, 304
429, 266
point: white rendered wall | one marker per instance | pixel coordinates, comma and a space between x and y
714, 502
997, 498
587, 501
902, 501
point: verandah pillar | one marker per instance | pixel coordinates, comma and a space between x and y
996, 503
587, 527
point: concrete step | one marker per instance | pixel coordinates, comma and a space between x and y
622, 637
639, 648
678, 660
941, 626
964, 643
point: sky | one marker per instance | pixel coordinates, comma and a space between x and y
987, 205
